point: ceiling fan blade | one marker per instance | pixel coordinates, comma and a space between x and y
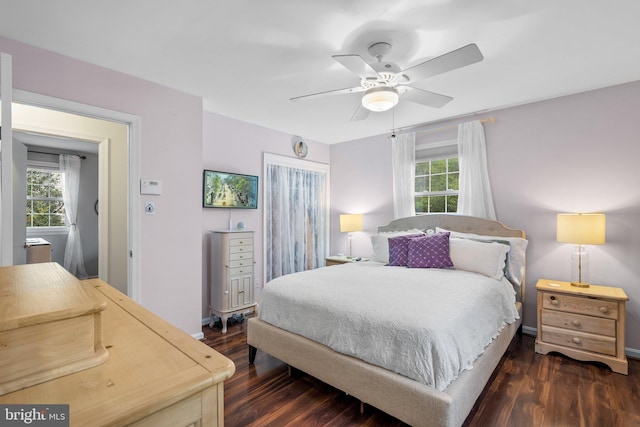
357, 65
329, 93
360, 114
430, 99
458, 58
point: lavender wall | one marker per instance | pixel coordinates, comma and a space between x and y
235, 146
577, 153
171, 150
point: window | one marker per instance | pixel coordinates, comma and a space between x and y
436, 187
45, 206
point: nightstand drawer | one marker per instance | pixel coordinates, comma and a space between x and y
580, 340
580, 304
579, 322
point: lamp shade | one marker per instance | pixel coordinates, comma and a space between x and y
581, 228
380, 98
350, 222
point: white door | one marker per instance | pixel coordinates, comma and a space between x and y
19, 202
6, 162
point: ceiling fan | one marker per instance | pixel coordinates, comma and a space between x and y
383, 83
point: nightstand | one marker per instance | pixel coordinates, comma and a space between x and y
340, 259
583, 323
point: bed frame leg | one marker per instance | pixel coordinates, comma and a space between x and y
519, 331
361, 407
252, 354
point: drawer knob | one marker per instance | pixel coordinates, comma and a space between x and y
554, 301
604, 310
575, 323
576, 340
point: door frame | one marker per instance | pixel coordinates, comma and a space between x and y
133, 122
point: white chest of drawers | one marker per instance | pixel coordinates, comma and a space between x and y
583, 323
232, 279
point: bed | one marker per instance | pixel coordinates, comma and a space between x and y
412, 396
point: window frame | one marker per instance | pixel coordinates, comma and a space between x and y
48, 230
439, 150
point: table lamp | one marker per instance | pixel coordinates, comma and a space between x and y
581, 229
348, 224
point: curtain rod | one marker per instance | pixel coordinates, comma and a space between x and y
56, 154
489, 120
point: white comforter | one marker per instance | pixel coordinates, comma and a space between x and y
426, 324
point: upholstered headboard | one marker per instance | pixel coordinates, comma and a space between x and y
461, 223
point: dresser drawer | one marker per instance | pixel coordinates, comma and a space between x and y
241, 255
241, 249
579, 322
580, 305
247, 262
240, 270
241, 241
580, 340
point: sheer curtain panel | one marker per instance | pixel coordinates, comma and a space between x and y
296, 219
73, 258
404, 172
474, 198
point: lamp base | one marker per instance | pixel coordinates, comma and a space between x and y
580, 284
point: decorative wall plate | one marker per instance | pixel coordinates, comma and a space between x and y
300, 148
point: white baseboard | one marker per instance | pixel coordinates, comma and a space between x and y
206, 320
199, 336
630, 352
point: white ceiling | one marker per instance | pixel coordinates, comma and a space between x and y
246, 58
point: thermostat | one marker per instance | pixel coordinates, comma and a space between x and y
151, 186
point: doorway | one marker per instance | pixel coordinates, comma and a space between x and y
116, 137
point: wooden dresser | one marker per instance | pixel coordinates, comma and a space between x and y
583, 323
232, 279
155, 374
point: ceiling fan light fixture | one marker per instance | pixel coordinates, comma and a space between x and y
380, 98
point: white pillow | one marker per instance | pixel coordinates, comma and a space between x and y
516, 255
486, 258
380, 243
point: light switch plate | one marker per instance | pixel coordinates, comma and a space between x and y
151, 186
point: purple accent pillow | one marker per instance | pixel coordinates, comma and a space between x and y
399, 249
429, 252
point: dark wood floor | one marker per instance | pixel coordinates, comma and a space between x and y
527, 389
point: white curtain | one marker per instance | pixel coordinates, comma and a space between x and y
474, 198
295, 219
404, 171
73, 258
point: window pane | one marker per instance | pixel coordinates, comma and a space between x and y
39, 190
40, 207
422, 168
40, 220
29, 220
452, 203
453, 165
422, 204
57, 220
56, 207
421, 183
439, 166
453, 181
437, 203
438, 183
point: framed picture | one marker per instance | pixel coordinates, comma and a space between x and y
229, 190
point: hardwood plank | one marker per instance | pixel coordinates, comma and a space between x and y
527, 389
